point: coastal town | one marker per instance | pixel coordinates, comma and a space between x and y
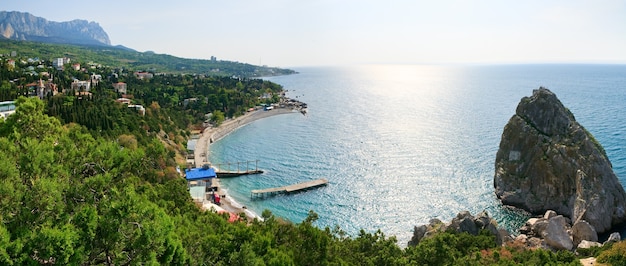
52, 75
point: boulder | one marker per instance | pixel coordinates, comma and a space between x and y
464, 222
482, 219
588, 244
418, 234
435, 225
613, 238
548, 161
556, 235
522, 239
535, 242
532, 221
582, 230
549, 214
539, 227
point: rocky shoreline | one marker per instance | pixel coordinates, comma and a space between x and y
550, 231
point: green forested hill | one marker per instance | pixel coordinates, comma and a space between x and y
140, 61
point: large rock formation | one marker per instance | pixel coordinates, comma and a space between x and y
26, 27
547, 160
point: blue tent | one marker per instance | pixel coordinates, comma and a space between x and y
200, 173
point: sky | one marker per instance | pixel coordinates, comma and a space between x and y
289, 33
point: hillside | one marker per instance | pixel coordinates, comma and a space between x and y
121, 57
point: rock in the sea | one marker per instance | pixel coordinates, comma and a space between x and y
548, 161
582, 230
556, 235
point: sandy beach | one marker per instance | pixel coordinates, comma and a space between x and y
212, 134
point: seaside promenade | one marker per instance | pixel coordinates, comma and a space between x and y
212, 134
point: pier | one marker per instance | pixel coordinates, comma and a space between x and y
239, 172
288, 189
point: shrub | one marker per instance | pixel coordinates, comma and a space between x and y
616, 255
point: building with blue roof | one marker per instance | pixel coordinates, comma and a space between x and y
203, 173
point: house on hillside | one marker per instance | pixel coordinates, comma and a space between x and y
188, 101
82, 94
140, 109
144, 75
95, 79
120, 87
81, 85
59, 62
44, 89
123, 100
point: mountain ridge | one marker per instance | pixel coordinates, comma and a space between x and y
82, 40
23, 26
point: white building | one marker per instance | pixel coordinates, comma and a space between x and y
6, 108
59, 62
81, 85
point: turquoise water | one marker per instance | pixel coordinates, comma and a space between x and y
401, 144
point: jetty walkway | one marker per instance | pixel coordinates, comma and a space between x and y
288, 189
221, 173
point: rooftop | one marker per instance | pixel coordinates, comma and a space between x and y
200, 173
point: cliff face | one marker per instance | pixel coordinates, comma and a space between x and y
26, 27
548, 161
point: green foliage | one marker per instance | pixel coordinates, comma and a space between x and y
592, 251
449, 248
615, 255
217, 118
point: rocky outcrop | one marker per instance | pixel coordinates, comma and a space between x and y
26, 27
548, 161
464, 222
557, 233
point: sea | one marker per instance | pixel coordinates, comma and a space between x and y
403, 144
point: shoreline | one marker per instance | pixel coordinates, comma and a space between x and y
212, 134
